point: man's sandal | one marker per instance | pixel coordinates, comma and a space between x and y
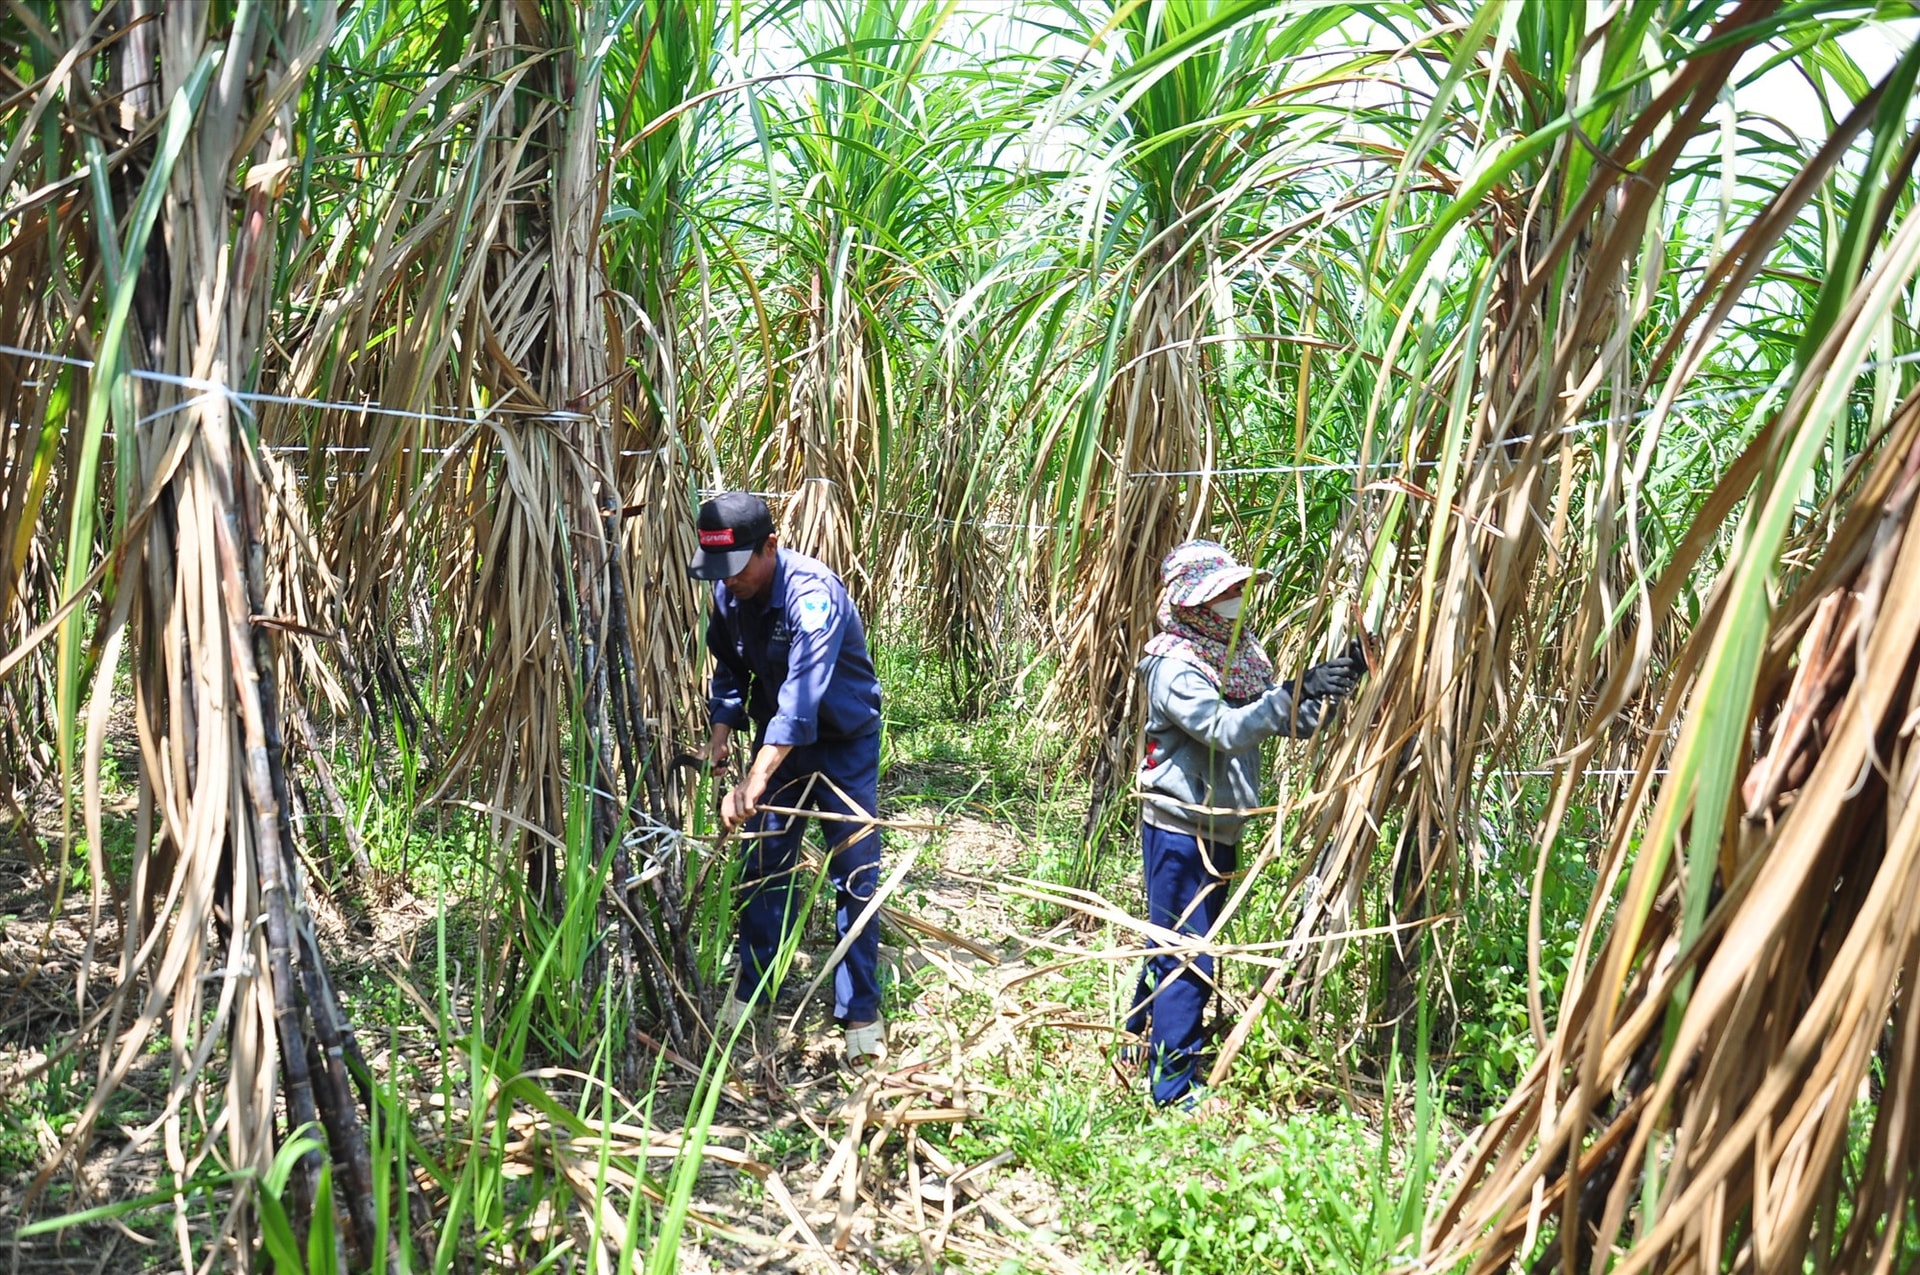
867, 1043
734, 1012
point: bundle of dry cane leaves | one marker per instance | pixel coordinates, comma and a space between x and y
1694, 1109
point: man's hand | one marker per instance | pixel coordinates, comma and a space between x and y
718, 744
745, 798
741, 801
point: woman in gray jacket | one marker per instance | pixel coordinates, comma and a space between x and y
1211, 703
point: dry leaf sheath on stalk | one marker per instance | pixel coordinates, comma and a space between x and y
1694, 1108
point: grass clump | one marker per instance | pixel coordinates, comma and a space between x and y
1288, 1193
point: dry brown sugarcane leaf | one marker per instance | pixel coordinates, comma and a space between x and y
851, 1188
777, 1188
1844, 745
1004, 1217
854, 1111
607, 1220
907, 922
1735, 900
1782, 879
1828, 643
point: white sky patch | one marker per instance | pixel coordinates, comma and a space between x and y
1786, 94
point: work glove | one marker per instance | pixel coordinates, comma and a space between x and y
1335, 678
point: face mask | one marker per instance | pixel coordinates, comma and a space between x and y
1226, 608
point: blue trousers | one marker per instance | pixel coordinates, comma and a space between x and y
1186, 888
772, 889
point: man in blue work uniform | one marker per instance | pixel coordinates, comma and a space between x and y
790, 654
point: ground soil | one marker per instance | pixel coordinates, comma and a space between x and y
42, 951
961, 936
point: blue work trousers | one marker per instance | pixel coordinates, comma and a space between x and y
1186, 881
773, 888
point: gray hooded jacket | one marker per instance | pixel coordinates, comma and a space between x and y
1204, 751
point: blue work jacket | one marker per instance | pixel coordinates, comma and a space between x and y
797, 664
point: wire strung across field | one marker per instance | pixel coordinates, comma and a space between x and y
1610, 773
243, 398
449, 415
1711, 399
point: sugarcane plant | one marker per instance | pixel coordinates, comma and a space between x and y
661, 84
1199, 116
859, 148
248, 548
1742, 1014
176, 241
486, 292
880, 179
1514, 334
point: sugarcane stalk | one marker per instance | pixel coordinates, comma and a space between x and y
232, 484
333, 1094
264, 827
337, 1052
644, 758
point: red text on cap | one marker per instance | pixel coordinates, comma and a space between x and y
721, 539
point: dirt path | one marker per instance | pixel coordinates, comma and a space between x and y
907, 1200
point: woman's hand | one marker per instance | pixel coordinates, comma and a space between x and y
1335, 678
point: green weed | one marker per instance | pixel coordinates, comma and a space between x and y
33, 1115
1493, 1038
1290, 1193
